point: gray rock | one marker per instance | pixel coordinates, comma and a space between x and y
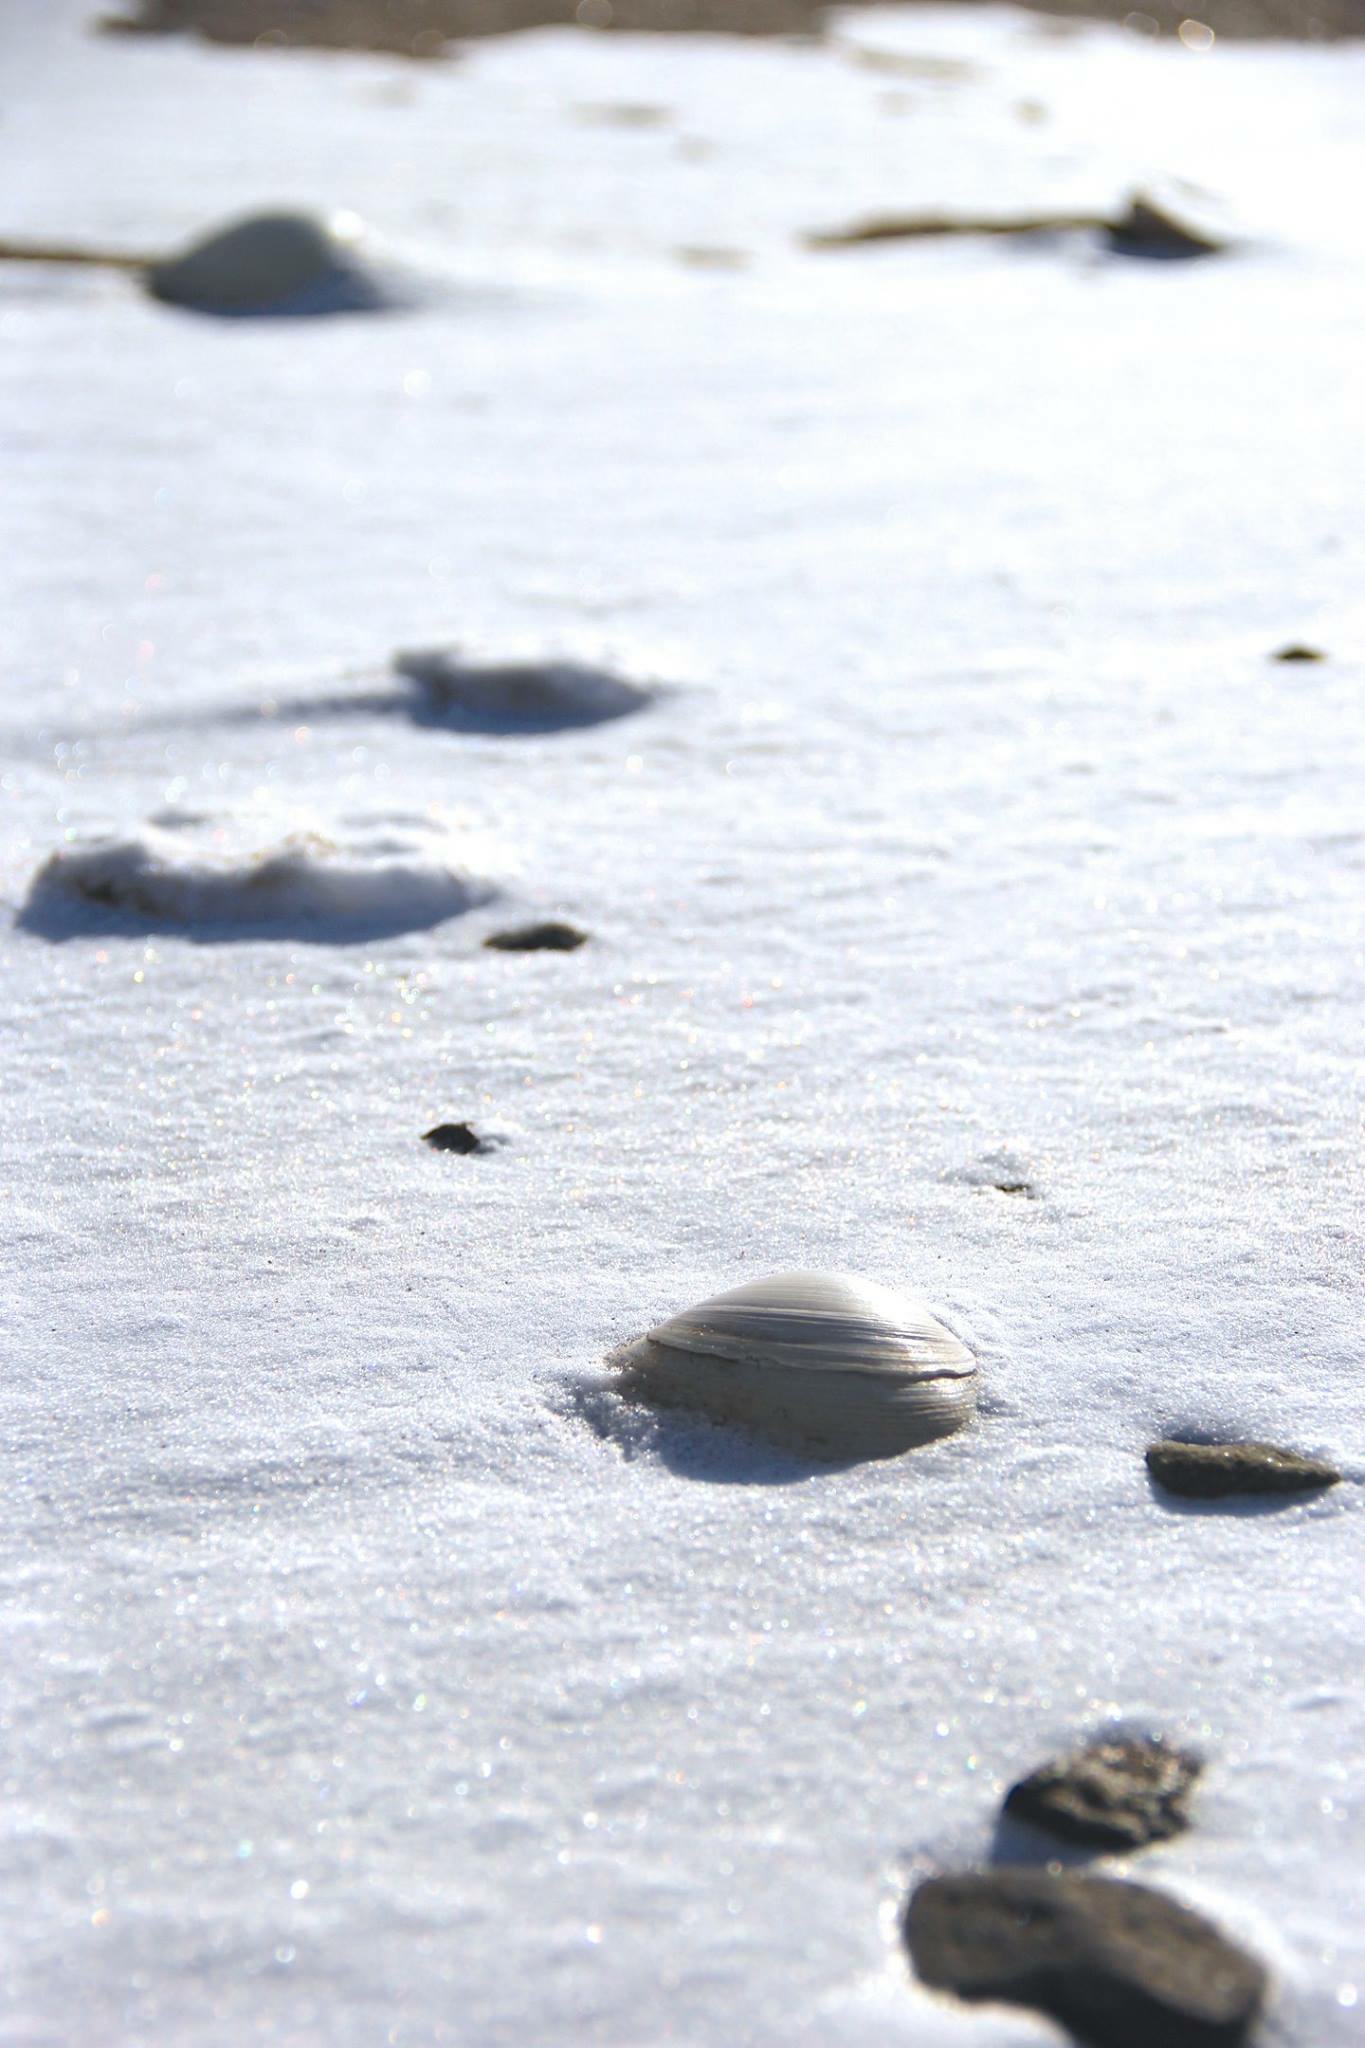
1213, 1471
1147, 227
1109, 1795
1117, 1964
274, 263
472, 695
551, 936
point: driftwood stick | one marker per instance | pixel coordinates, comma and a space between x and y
911, 227
1142, 228
57, 252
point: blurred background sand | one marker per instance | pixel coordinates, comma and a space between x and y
422, 28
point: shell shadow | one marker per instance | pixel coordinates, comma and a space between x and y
1016, 1845
498, 701
322, 705
1132, 249
688, 1444
1106, 242
1245, 1507
343, 293
59, 919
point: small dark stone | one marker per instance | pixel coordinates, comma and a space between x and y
1296, 651
465, 694
457, 1138
1146, 229
548, 937
1111, 1795
1119, 1965
1014, 1187
1212, 1471
270, 263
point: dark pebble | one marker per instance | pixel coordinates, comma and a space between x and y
1117, 1964
549, 937
1110, 1795
1296, 651
269, 263
457, 1138
1212, 1471
1147, 229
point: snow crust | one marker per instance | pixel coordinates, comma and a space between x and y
374, 1672
184, 871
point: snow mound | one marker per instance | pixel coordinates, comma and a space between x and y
516, 696
212, 881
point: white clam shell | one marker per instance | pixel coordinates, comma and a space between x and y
823, 1362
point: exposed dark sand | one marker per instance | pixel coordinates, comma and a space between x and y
423, 28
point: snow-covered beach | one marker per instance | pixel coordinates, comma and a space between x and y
375, 1673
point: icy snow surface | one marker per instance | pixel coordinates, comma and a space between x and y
177, 872
372, 1674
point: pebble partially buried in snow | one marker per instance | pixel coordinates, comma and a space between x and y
279, 263
818, 1362
474, 695
1117, 1794
546, 935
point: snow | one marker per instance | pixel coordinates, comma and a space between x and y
375, 1673
184, 870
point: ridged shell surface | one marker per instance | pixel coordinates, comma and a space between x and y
823, 1361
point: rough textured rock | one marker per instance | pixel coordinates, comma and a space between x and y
1119, 1965
1109, 1795
469, 694
1213, 1471
549, 937
457, 1138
